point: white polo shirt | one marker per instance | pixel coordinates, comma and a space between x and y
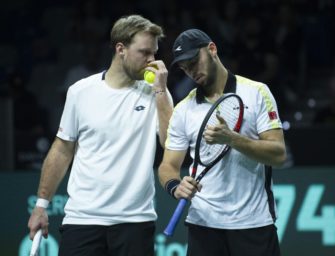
112, 178
234, 193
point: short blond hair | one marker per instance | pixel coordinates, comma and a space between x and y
127, 27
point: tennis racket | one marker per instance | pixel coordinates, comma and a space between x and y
36, 243
230, 108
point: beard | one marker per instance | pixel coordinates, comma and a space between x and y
212, 70
132, 73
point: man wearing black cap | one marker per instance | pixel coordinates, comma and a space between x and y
232, 211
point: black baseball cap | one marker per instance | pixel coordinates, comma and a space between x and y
188, 44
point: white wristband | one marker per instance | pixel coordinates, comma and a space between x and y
41, 202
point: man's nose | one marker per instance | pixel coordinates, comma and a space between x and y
151, 58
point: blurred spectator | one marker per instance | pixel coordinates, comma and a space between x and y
326, 115
288, 44
89, 22
253, 48
229, 29
42, 50
318, 29
92, 63
28, 115
31, 133
289, 48
88, 25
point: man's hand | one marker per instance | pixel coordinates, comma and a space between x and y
219, 133
38, 220
161, 73
187, 188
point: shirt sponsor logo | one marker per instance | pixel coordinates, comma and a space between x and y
272, 115
139, 108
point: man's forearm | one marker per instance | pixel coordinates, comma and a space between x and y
167, 173
54, 169
165, 109
270, 152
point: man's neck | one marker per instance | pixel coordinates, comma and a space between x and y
220, 84
116, 77
221, 79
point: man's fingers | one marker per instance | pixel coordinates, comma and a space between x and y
45, 231
220, 118
187, 187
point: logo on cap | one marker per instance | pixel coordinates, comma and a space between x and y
178, 49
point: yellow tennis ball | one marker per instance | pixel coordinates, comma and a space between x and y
149, 76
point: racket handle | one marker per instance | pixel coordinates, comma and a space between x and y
36, 243
169, 230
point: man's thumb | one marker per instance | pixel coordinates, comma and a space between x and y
220, 118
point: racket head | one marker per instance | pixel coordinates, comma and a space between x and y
230, 107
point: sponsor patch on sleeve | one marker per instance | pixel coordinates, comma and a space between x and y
272, 115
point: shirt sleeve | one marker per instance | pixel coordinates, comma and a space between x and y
176, 135
68, 128
268, 116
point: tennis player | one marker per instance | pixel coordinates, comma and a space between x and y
108, 128
232, 211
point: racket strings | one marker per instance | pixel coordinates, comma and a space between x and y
229, 110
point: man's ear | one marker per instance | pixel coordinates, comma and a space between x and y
119, 49
212, 49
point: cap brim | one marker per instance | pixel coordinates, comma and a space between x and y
186, 56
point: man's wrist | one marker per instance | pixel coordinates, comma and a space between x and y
159, 91
43, 203
171, 186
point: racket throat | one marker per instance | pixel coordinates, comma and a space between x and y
194, 170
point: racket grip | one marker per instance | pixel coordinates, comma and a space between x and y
36, 243
169, 230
